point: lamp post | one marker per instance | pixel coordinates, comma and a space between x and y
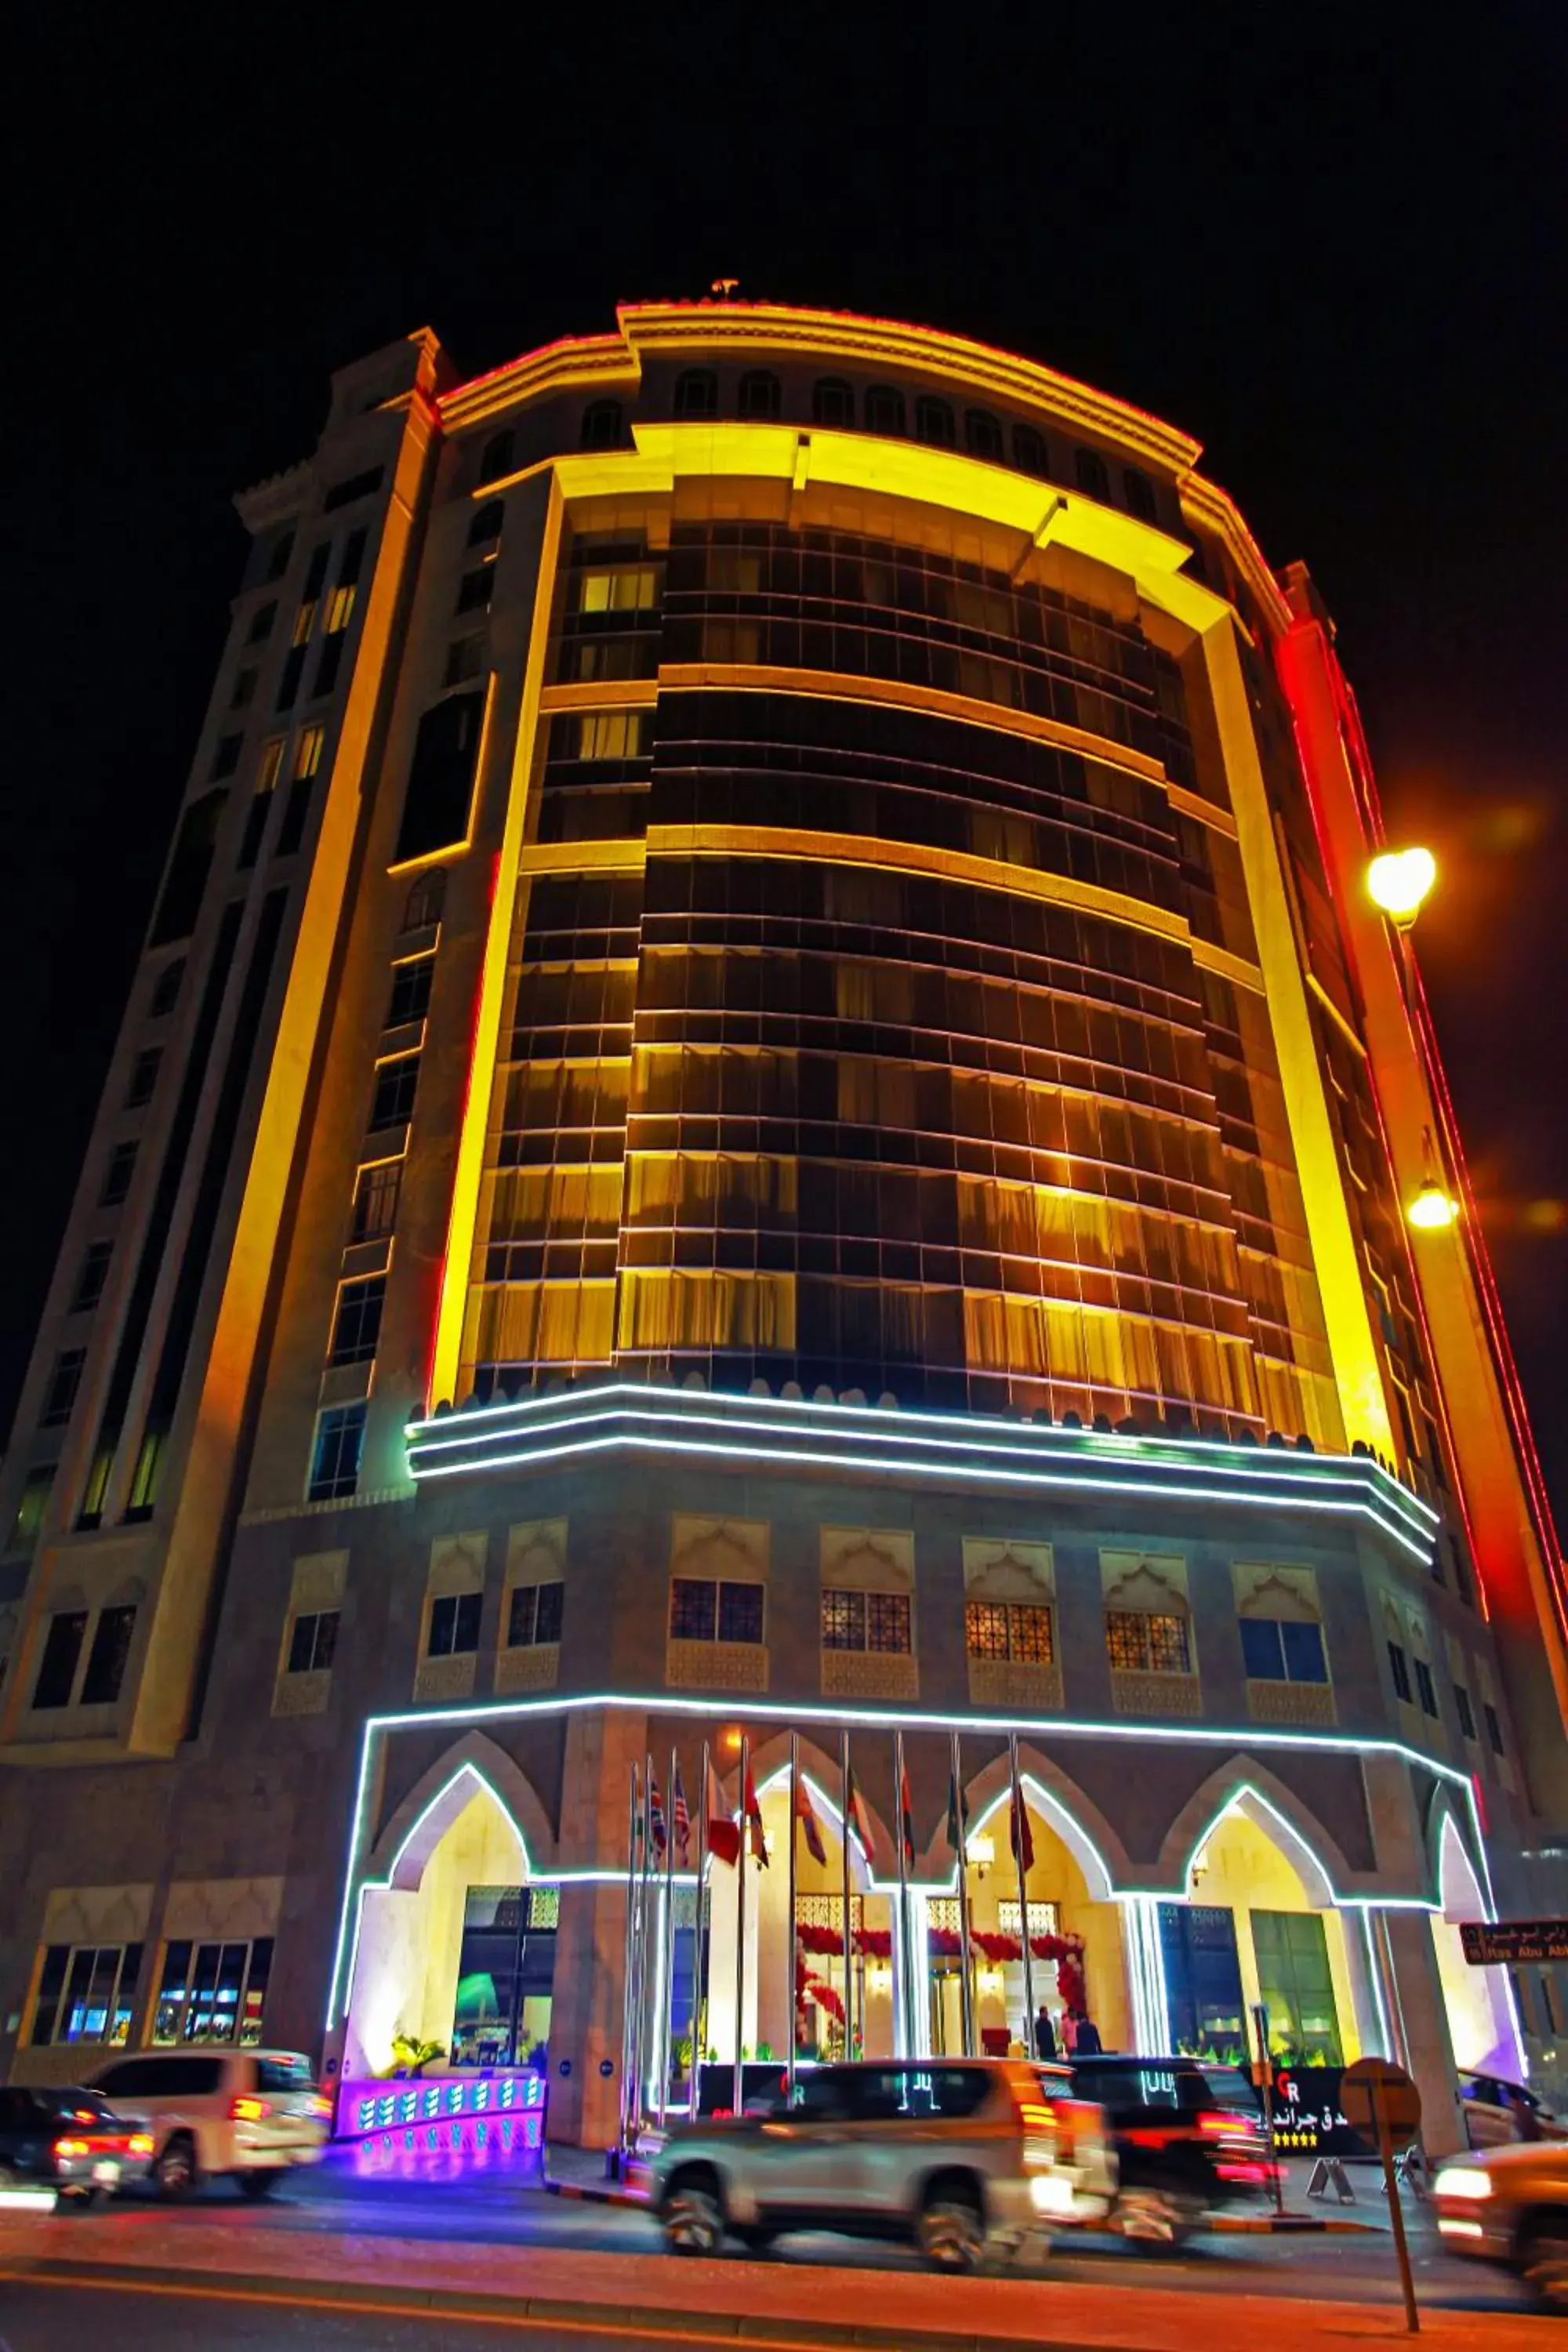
1398, 883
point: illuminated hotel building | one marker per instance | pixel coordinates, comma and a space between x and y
764, 1096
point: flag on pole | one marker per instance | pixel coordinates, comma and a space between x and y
657, 1829
723, 1834
754, 1813
905, 1818
810, 1826
1018, 1834
860, 1819
957, 1819
680, 1819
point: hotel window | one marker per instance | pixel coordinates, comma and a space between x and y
621, 588
64, 1382
108, 1657
1021, 1631
612, 735
495, 459
144, 1078
261, 622
1029, 452
1426, 1688
117, 1175
243, 689
533, 1615
392, 1104
982, 435
1399, 1667
306, 762
1494, 1728
278, 556
86, 1994
1464, 1710
474, 590
376, 1200
212, 1994
92, 1277
225, 758
356, 1326
454, 1627
358, 486
833, 403
165, 992
934, 423
410, 999
882, 1621
464, 660
335, 1459
696, 392
316, 570
1279, 1650
1139, 493
601, 425
1093, 481
313, 1642
884, 409
427, 902
1138, 1641
37, 1489
759, 394
484, 529
1296, 1985
701, 1610
62, 1654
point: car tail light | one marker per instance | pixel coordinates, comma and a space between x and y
319, 2107
1227, 2125
244, 2110
1038, 2120
141, 2144
66, 2148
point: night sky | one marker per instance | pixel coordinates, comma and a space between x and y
1327, 241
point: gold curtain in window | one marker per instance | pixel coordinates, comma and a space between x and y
700, 1309
549, 1322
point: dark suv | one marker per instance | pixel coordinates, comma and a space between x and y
1188, 2136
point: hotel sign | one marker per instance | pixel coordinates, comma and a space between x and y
1514, 1942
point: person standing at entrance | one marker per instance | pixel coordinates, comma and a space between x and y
1045, 2035
1085, 2041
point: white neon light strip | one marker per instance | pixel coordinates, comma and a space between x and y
434, 1434
668, 1703
631, 1441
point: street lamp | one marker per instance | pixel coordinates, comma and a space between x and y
1432, 1209
1398, 881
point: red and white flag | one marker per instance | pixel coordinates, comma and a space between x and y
723, 1833
810, 1828
754, 1822
860, 1819
1018, 1833
680, 1819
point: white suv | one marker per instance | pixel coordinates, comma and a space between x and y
249, 2113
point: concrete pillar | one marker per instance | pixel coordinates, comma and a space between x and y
585, 2018
1423, 2020
1362, 1964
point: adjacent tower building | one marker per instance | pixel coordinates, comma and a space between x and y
765, 1096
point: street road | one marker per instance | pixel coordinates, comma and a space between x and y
1342, 2268
63, 2318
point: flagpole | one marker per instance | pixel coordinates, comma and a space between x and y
627, 1970
790, 1939
844, 1858
904, 1986
639, 2005
736, 2099
700, 1944
966, 2003
667, 1984
1023, 1893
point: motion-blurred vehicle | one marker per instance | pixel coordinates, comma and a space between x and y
70, 2141
1188, 2136
1509, 2205
251, 2113
1497, 2112
963, 2157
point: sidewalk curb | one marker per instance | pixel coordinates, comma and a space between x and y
611, 2318
584, 2194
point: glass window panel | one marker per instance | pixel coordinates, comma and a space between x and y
1261, 1649
1304, 1658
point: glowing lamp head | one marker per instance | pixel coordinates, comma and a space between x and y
1432, 1208
1399, 880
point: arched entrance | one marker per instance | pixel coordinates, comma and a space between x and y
1481, 2017
451, 1959
1068, 1890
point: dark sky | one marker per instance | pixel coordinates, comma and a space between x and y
1326, 240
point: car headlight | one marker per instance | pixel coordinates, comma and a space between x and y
1050, 2192
1462, 2180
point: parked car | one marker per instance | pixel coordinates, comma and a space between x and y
959, 2156
1497, 2111
252, 2114
70, 2141
1509, 2205
1188, 2134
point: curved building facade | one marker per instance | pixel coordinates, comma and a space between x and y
764, 1105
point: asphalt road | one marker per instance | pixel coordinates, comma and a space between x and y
65, 2319
1341, 2268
